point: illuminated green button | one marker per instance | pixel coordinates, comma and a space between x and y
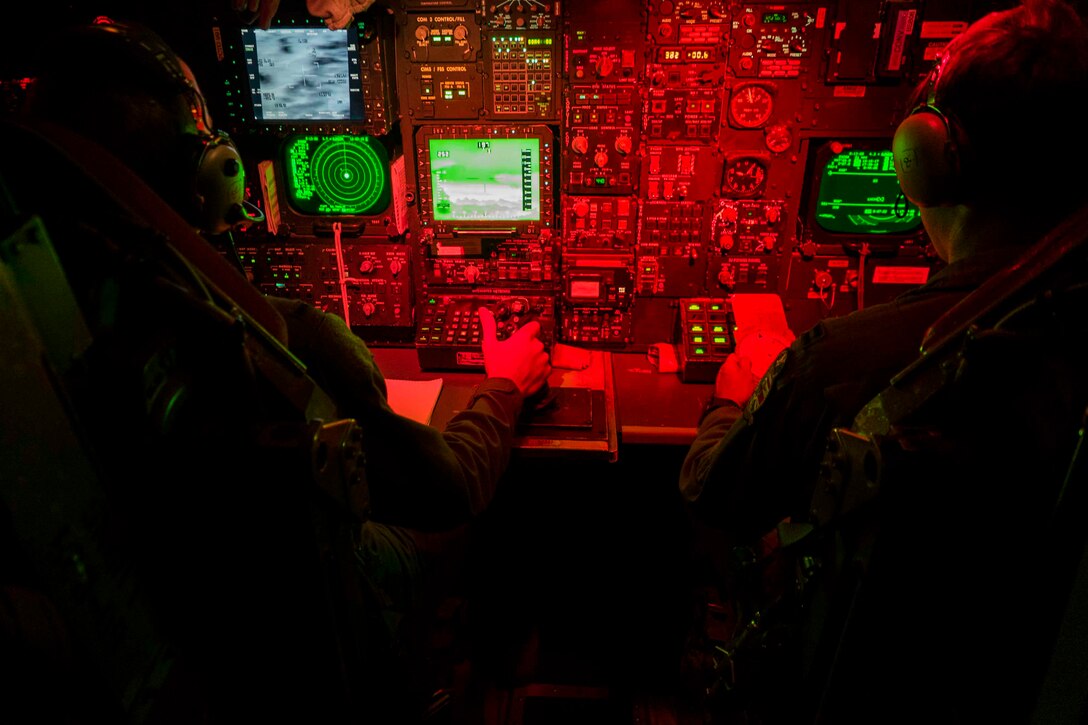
697, 328
720, 340
695, 307
700, 351
698, 338
717, 328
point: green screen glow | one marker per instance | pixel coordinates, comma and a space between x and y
485, 179
337, 175
857, 195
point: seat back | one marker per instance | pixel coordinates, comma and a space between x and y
934, 574
176, 486
951, 512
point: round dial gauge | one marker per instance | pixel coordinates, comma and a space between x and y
744, 176
750, 105
778, 138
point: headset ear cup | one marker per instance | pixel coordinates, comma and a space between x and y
218, 183
926, 159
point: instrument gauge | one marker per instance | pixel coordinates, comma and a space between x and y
778, 138
744, 176
750, 105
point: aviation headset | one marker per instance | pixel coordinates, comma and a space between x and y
213, 174
928, 149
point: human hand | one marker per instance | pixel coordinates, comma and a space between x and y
745, 367
520, 358
735, 381
258, 12
762, 348
338, 14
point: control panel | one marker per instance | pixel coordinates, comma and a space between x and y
609, 166
449, 331
705, 337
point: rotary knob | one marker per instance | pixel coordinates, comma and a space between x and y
728, 216
604, 66
623, 145
579, 144
368, 309
472, 273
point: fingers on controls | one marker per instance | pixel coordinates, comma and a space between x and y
510, 314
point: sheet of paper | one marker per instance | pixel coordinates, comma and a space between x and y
762, 331
414, 399
762, 312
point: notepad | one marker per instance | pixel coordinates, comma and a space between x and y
413, 399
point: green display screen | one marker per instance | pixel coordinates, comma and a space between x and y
858, 193
336, 175
485, 179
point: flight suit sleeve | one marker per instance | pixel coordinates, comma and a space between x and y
418, 476
744, 472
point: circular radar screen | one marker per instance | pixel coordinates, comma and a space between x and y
337, 175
